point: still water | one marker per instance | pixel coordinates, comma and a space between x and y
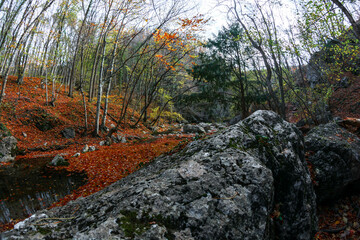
30, 185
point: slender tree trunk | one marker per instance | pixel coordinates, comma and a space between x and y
93, 73
100, 90
71, 84
110, 80
46, 86
105, 111
81, 88
258, 47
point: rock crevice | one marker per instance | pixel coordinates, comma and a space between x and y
249, 181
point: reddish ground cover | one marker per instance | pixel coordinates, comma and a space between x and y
24, 107
24, 111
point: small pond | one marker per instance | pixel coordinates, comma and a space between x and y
29, 185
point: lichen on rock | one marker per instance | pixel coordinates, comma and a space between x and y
227, 186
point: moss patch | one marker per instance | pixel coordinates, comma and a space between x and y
44, 230
4, 131
134, 226
131, 225
41, 119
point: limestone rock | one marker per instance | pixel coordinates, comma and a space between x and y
92, 148
58, 160
85, 149
68, 132
224, 187
335, 157
188, 128
235, 119
206, 126
7, 149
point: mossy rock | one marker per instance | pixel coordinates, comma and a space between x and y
4, 131
131, 225
41, 119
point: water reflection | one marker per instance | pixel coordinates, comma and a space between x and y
29, 186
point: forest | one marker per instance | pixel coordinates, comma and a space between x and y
159, 63
127, 75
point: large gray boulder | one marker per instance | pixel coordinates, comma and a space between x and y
7, 149
280, 146
248, 182
334, 154
188, 128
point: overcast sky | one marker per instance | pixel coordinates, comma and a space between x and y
210, 8
217, 13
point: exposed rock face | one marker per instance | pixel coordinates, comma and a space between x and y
58, 160
207, 127
280, 147
335, 55
205, 111
7, 149
248, 182
235, 119
188, 128
316, 69
68, 132
335, 157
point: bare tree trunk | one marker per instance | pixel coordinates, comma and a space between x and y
105, 111
110, 80
46, 86
93, 73
100, 90
81, 88
71, 84
258, 47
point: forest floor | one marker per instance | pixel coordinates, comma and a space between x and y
38, 127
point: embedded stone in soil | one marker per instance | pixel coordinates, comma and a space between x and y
29, 185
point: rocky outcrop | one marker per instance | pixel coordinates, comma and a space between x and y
7, 149
68, 132
58, 160
204, 111
235, 119
336, 55
316, 70
334, 154
202, 128
8, 145
248, 182
188, 128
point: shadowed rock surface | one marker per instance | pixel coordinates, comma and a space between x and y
335, 157
7, 149
188, 128
249, 181
68, 132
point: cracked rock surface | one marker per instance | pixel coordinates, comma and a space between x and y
335, 157
249, 181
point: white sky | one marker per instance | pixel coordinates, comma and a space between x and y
217, 14
283, 15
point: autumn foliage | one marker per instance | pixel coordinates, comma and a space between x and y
23, 112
